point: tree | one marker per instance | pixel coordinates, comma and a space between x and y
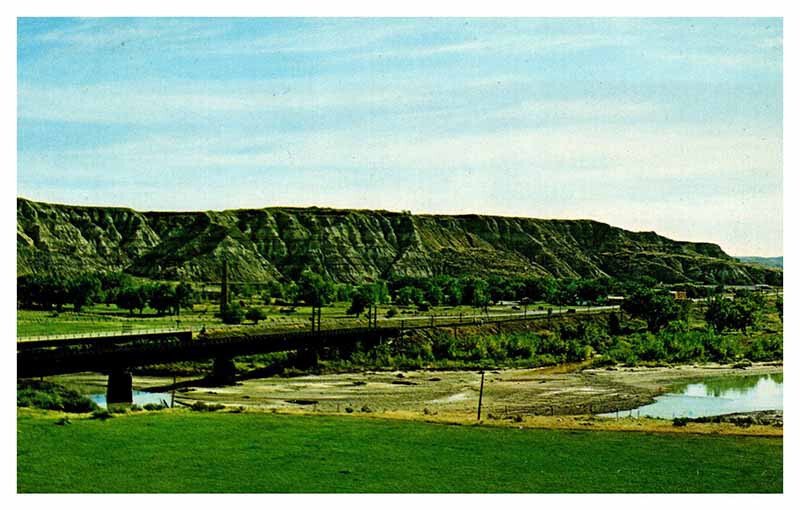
592, 290
359, 301
476, 292
539, 289
255, 315
344, 292
112, 283
161, 297
452, 291
724, 314
779, 307
42, 291
366, 295
184, 297
83, 290
745, 313
718, 313
314, 289
290, 292
274, 289
656, 308
132, 297
380, 291
409, 296
434, 294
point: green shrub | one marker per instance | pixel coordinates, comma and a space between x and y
255, 315
765, 348
723, 347
650, 347
101, 414
233, 314
48, 395
203, 407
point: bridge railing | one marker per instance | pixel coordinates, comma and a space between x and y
101, 334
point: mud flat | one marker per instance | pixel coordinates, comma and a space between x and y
553, 391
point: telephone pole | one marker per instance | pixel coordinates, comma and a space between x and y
223, 299
480, 395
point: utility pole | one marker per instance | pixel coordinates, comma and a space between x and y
480, 395
172, 398
223, 299
316, 318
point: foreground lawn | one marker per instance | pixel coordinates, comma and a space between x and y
206, 452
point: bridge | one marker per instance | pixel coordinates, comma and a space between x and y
116, 353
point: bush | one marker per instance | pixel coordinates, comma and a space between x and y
255, 315
233, 314
765, 348
51, 396
392, 312
723, 347
154, 407
102, 414
203, 407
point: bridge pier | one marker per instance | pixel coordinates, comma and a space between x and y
120, 387
307, 358
224, 370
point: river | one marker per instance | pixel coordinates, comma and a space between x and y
716, 396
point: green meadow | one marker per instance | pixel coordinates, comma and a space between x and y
184, 451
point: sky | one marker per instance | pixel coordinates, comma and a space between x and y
666, 125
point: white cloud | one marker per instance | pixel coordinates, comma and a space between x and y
566, 153
153, 103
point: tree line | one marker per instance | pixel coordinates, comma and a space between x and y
643, 298
47, 292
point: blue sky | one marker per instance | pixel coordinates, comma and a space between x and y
672, 125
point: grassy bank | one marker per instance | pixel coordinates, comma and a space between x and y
199, 452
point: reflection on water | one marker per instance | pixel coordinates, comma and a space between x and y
139, 398
712, 397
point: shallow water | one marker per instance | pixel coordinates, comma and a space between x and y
716, 396
139, 398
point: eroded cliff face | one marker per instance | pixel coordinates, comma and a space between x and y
352, 246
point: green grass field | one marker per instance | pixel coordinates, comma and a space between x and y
248, 452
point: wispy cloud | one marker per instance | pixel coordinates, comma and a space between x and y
101, 34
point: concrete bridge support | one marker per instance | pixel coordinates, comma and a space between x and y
120, 387
307, 358
224, 370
